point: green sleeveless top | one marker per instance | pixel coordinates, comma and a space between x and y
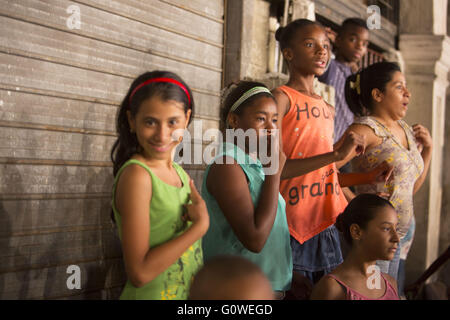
275, 259
166, 209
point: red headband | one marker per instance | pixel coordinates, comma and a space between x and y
162, 80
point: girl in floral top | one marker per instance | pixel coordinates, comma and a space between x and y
379, 98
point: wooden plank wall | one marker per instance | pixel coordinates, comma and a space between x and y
59, 93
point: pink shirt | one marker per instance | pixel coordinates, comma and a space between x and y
389, 294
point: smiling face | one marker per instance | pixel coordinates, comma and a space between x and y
155, 124
259, 115
395, 98
352, 44
379, 239
309, 51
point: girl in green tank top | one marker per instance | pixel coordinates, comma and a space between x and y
160, 216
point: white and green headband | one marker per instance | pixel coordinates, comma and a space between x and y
248, 94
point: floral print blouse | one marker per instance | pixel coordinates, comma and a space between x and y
408, 166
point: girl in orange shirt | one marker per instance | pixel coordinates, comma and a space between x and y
311, 185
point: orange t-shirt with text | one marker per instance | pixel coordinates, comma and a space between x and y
314, 200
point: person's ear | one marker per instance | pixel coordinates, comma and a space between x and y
377, 95
355, 232
131, 121
232, 120
188, 116
288, 54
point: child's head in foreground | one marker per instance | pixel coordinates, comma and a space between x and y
369, 225
230, 278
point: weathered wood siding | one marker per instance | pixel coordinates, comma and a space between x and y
59, 93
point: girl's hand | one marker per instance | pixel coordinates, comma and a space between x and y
352, 142
272, 139
281, 155
381, 173
383, 195
422, 136
197, 211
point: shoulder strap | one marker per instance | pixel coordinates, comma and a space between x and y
388, 284
345, 287
182, 174
130, 162
379, 130
116, 179
287, 92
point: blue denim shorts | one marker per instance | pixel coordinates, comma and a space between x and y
321, 253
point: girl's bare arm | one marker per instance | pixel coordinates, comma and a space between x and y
142, 262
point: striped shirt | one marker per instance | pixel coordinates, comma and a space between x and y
335, 75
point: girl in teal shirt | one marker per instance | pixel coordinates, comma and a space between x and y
247, 212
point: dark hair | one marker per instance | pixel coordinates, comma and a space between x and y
375, 76
352, 22
126, 144
284, 35
218, 272
235, 94
360, 211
